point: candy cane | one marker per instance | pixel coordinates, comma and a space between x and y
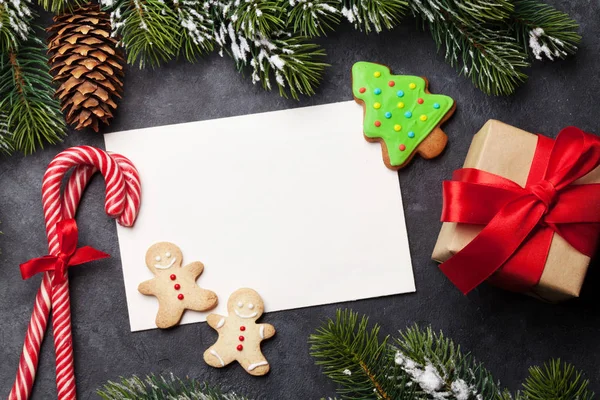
122, 202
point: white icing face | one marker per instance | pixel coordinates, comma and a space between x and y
246, 304
168, 264
251, 315
162, 256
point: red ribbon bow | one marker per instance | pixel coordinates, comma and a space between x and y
520, 222
68, 255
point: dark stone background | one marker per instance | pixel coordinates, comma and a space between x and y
508, 332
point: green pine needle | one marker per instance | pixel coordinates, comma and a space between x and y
352, 355
486, 10
374, 15
162, 388
544, 31
61, 6
313, 17
556, 381
5, 135
149, 31
258, 17
33, 115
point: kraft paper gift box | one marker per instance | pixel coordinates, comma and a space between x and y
507, 151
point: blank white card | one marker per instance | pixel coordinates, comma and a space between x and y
294, 204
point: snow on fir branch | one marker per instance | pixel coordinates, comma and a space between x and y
14, 23
420, 364
489, 42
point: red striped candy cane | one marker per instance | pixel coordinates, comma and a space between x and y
122, 202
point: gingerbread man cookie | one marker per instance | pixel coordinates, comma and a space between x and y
173, 285
239, 334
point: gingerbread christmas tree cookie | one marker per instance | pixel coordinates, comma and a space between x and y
174, 285
400, 113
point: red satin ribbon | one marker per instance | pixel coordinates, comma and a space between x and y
512, 248
68, 256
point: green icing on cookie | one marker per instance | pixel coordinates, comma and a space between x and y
397, 108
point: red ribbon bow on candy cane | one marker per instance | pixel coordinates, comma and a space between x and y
68, 256
520, 222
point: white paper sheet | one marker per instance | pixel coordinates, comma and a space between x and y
294, 204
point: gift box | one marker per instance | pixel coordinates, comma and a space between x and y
526, 204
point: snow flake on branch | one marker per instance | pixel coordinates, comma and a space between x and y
433, 380
539, 46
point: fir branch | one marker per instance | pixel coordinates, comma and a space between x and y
148, 29
352, 355
313, 17
544, 31
14, 23
489, 56
257, 17
556, 381
34, 116
162, 388
197, 21
374, 15
440, 369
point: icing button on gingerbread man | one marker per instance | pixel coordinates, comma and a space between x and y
173, 285
239, 334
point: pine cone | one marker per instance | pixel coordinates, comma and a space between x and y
84, 60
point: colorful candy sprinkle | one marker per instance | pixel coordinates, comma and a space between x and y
420, 100
397, 128
377, 74
240, 347
401, 105
411, 134
180, 296
377, 91
377, 123
362, 90
402, 147
423, 117
177, 286
412, 85
173, 277
436, 105
408, 114
400, 93
388, 115
377, 105
392, 83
